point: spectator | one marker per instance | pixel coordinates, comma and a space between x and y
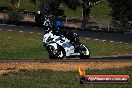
39, 19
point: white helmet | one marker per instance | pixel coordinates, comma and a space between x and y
38, 12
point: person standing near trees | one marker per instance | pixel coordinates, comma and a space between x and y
39, 19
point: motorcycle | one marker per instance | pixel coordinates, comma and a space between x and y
60, 47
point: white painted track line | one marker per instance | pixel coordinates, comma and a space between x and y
35, 27
87, 38
20, 31
11, 25
111, 41
39, 33
3, 24
96, 39
9, 30
31, 32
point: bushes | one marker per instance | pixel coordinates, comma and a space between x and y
14, 16
121, 13
51, 7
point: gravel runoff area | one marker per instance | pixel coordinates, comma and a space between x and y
7, 67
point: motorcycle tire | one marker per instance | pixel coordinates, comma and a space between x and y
58, 53
81, 50
84, 56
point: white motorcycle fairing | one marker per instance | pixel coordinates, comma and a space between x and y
48, 37
64, 42
61, 41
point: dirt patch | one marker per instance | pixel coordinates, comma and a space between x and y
6, 68
76, 25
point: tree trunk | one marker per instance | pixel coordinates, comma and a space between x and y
18, 5
85, 17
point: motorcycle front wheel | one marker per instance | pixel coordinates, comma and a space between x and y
58, 53
83, 50
84, 56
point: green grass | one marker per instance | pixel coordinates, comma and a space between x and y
4, 3
53, 79
99, 48
101, 11
29, 6
24, 4
26, 45
21, 45
72, 13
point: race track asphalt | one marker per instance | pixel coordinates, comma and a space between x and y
112, 37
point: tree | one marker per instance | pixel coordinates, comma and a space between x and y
51, 6
14, 15
72, 4
86, 9
15, 3
121, 13
35, 1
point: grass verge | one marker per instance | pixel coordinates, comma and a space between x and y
58, 79
27, 45
21, 45
99, 48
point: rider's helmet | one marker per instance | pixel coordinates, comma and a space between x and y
57, 24
38, 12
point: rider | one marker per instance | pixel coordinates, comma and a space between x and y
57, 25
39, 18
61, 31
57, 29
